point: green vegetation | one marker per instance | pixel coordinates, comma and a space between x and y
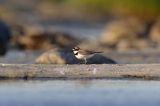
144, 8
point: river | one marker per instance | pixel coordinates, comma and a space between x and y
79, 93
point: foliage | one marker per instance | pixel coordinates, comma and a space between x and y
144, 8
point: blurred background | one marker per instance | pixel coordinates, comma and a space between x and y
108, 25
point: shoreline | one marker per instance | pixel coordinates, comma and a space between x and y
103, 71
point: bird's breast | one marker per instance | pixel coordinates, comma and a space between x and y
80, 56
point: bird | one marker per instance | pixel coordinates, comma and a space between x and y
83, 54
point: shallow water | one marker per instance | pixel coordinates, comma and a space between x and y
80, 93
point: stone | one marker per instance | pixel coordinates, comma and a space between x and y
123, 33
155, 32
4, 38
34, 42
37, 38
64, 56
100, 59
57, 56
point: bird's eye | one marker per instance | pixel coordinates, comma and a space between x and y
76, 53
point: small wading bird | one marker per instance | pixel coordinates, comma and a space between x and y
83, 54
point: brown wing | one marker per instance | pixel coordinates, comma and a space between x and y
87, 52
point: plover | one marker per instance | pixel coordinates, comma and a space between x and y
83, 54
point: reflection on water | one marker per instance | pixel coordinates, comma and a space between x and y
79, 93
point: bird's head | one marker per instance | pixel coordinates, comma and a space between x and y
76, 48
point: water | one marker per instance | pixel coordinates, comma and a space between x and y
80, 93
81, 31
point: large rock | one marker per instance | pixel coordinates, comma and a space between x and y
57, 56
124, 34
16, 32
100, 59
38, 38
155, 32
4, 38
34, 42
62, 56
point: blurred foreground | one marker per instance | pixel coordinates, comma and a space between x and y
73, 92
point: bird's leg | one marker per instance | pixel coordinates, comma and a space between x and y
85, 60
